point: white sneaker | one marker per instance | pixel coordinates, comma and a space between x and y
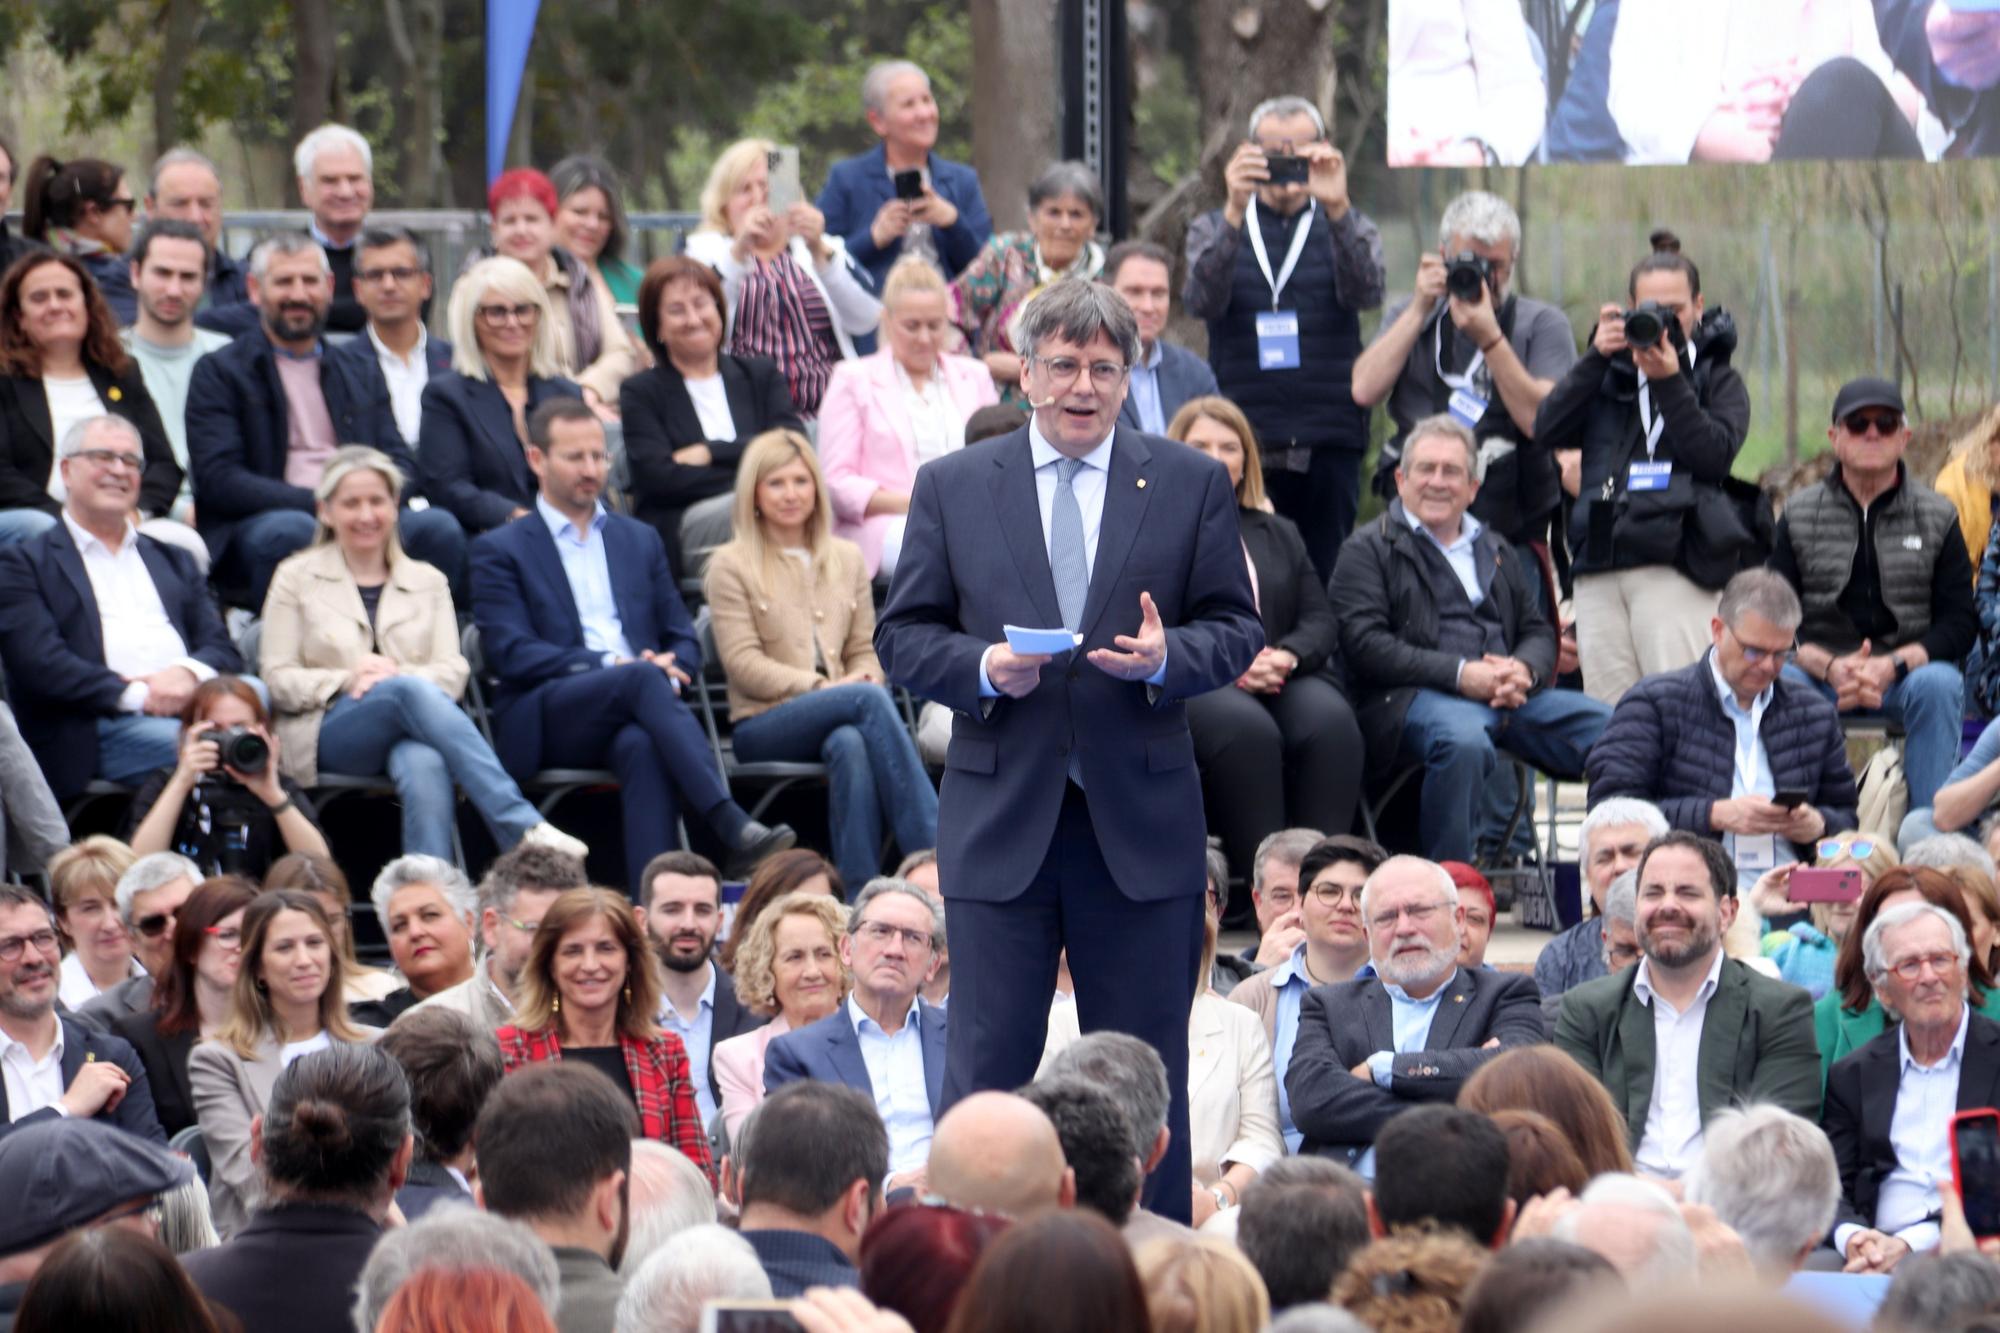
553, 838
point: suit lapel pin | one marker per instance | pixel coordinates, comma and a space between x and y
1458, 999
113, 394
1142, 483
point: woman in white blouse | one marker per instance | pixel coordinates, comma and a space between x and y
1465, 89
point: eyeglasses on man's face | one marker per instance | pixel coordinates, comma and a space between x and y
1063, 370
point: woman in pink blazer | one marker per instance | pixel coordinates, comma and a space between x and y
886, 415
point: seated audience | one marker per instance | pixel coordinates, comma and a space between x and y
681, 894
810, 1165
1613, 835
1806, 950
791, 293
1136, 1077
443, 1301
944, 219
1937, 1290
1771, 1177
83, 209
331, 1149
1637, 1225
1443, 1021
1477, 910
1893, 1150
506, 362
1442, 630
1442, 1168
995, 1152
286, 1004
191, 995
1333, 949
107, 1277
1166, 375
1226, 970
32, 827
921, 869
1068, 1252
1530, 1281
62, 366
1539, 1159
1104, 1154
915, 1261
1971, 791
517, 891
794, 625
1300, 1223
1202, 1283
591, 344
70, 1070
688, 418
887, 414
187, 187
395, 356
574, 1199
668, 1195
788, 965
83, 889
886, 1042
667, 1293
150, 894
1275, 898
799, 870
231, 814
336, 181
265, 416
1412, 1283
1889, 613
1544, 1080
1233, 1133
450, 1240
591, 226
601, 653
1759, 1048
169, 268
1281, 747
428, 914
1065, 211
320, 877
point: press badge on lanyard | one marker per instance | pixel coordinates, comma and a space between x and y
1278, 330
1649, 475
1467, 406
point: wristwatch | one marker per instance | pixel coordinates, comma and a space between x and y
1221, 1199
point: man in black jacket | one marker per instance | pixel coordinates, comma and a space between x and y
1447, 645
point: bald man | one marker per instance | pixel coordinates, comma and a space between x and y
998, 1153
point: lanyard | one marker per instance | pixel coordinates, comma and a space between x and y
1291, 256
1472, 367
1655, 426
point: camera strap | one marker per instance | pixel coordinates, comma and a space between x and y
1655, 426
1256, 230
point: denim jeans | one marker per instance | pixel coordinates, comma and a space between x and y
1457, 740
411, 730
1929, 703
872, 767
132, 745
24, 525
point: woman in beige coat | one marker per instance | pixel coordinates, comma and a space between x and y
794, 624
361, 655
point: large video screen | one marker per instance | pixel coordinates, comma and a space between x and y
1663, 82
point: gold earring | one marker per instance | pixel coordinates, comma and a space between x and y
555, 1005
628, 997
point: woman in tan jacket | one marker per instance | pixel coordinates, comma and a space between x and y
361, 655
794, 624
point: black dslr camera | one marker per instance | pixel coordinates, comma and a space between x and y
1466, 275
241, 749
1645, 322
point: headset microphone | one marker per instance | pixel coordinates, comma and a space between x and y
1049, 401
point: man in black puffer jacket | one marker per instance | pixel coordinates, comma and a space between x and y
1713, 743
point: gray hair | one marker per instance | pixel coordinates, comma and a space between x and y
1622, 812
417, 868
1447, 887
1288, 846
330, 135
1127, 1069
1771, 1176
1621, 899
186, 1224
875, 83
1673, 1257
286, 243
1218, 867
1077, 310
1316, 1317
79, 431
1874, 957
153, 871
1444, 425
1479, 216
706, 1263
1288, 105
181, 156
687, 1204
1764, 591
1068, 178
883, 885
454, 1237
1935, 1290
1947, 851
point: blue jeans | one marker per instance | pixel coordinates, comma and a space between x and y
24, 525
132, 745
260, 544
1929, 703
872, 765
411, 730
1457, 741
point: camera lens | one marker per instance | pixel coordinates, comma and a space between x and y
243, 750
1643, 327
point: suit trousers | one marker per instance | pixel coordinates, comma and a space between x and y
1134, 964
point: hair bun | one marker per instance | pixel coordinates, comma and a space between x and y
324, 1124
1664, 242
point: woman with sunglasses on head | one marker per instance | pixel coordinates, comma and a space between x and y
1805, 951
84, 208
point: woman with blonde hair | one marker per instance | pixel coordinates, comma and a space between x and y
1805, 952
1200, 1285
83, 888
362, 659
794, 626
322, 877
787, 966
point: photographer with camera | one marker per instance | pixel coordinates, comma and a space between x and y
223, 804
1658, 416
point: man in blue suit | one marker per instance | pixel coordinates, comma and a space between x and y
946, 222
395, 356
885, 1041
1164, 376
1071, 810
580, 619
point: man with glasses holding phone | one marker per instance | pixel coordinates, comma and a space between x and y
1881, 568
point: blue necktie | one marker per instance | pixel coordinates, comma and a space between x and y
1066, 562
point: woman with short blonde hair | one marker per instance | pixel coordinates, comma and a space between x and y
83, 888
788, 967
1196, 1284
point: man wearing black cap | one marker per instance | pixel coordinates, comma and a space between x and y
1882, 572
59, 1176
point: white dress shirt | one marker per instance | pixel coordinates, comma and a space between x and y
76, 987
588, 570
70, 401
711, 407
896, 1073
696, 1034
138, 637
31, 1084
1672, 1140
298, 1050
1750, 775
936, 428
1920, 1133
407, 377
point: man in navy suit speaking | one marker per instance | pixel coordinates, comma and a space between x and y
1070, 814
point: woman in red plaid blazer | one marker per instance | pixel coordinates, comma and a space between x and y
589, 993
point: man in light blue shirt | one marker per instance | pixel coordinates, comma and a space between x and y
1165, 376
681, 902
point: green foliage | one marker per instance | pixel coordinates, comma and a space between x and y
1166, 125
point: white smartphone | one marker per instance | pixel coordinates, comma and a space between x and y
783, 165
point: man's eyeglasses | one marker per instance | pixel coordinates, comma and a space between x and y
1332, 895
1618, 957
399, 273
154, 924
1420, 915
1885, 422
525, 313
1912, 969
1859, 848
112, 458
1781, 656
1063, 370
42, 941
528, 926
881, 932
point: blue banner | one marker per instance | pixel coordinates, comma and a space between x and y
510, 31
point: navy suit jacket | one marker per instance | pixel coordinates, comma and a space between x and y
134, 1112
468, 457
830, 1052
974, 560
1341, 1025
357, 357
857, 188
52, 640
529, 630
1182, 375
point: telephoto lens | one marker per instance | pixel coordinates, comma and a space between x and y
242, 749
1644, 324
